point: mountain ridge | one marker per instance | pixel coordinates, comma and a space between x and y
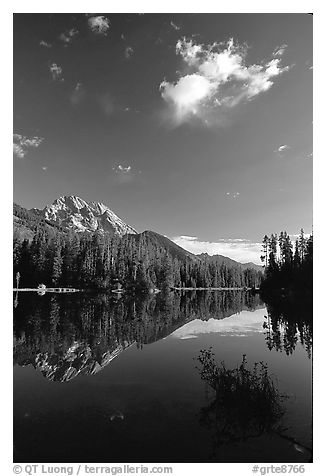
71, 213
221, 259
75, 213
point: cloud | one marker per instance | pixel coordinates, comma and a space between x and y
45, 44
240, 324
186, 95
123, 174
282, 148
238, 249
56, 72
129, 51
21, 144
19, 151
279, 51
78, 94
174, 26
68, 36
99, 25
233, 194
216, 79
124, 170
188, 238
296, 235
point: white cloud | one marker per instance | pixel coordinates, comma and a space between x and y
129, 51
238, 249
124, 174
21, 144
99, 25
188, 50
56, 72
188, 238
240, 324
186, 95
68, 36
279, 51
123, 169
233, 194
216, 79
296, 235
19, 151
45, 44
176, 27
283, 148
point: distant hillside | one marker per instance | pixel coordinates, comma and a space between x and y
25, 223
163, 242
251, 265
219, 259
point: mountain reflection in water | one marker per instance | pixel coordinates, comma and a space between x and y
130, 378
66, 336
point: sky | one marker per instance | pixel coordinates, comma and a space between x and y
196, 126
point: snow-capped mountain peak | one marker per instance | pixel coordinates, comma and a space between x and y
75, 213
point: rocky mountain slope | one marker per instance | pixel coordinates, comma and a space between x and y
74, 213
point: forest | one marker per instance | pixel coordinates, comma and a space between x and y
99, 261
288, 268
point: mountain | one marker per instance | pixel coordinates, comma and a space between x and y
26, 222
174, 250
220, 259
74, 213
63, 365
181, 254
251, 265
71, 350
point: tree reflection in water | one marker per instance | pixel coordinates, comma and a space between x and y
64, 336
287, 323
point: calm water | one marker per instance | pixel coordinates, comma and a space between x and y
104, 380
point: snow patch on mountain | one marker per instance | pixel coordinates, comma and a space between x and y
74, 213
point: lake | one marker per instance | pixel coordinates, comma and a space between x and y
108, 379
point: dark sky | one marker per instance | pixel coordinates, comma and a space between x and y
168, 121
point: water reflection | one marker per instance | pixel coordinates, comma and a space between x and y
146, 404
244, 403
67, 336
286, 324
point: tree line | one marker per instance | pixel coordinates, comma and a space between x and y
288, 266
99, 261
